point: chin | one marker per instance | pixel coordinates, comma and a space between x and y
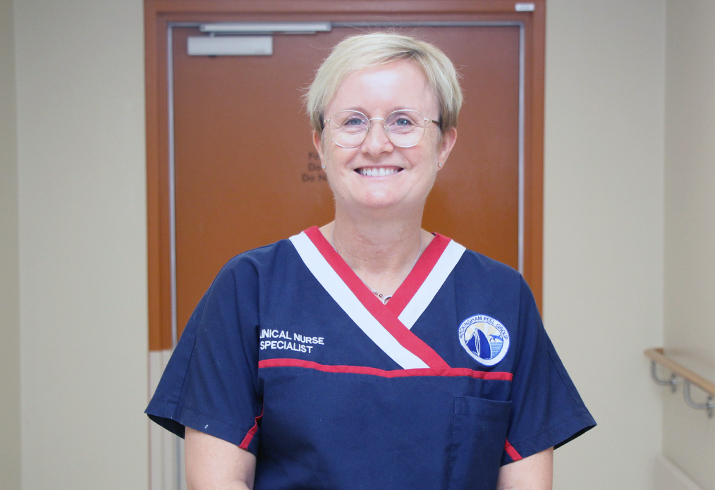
391, 204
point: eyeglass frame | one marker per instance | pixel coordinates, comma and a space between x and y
384, 127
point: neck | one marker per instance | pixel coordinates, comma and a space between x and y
381, 252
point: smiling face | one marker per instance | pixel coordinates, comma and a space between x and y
377, 174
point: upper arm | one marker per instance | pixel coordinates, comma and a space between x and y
546, 408
532, 473
213, 464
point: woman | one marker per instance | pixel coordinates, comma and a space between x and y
370, 353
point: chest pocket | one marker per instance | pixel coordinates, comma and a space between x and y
478, 437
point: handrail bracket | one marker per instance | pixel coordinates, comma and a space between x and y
708, 406
657, 356
672, 382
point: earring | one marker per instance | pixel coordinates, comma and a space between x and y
439, 164
323, 167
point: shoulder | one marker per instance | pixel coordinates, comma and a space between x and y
492, 288
260, 260
249, 274
482, 264
481, 271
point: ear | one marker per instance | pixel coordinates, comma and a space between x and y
449, 138
318, 143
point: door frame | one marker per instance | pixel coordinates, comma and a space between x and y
159, 14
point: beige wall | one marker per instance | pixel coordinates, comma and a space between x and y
603, 244
82, 238
689, 436
10, 434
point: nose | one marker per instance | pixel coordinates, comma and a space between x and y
376, 141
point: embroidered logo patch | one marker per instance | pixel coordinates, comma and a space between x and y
484, 338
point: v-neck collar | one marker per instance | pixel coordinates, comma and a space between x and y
388, 325
404, 292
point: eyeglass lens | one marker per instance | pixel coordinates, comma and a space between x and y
403, 128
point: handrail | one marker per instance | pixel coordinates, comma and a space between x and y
658, 356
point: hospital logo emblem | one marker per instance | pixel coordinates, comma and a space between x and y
484, 338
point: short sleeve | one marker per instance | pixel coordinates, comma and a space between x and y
546, 407
210, 381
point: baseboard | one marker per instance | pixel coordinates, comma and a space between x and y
669, 477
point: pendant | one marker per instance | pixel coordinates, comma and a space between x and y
382, 297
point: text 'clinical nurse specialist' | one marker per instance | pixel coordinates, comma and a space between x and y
370, 353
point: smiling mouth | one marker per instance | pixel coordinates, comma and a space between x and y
378, 171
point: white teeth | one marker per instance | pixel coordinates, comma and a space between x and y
377, 172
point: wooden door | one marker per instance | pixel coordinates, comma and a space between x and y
240, 183
224, 181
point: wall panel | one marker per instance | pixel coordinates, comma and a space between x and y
689, 436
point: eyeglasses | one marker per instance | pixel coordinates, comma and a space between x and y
404, 128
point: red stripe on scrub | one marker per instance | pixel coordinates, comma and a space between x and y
377, 309
398, 373
418, 274
249, 436
513, 453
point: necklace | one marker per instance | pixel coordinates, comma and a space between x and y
380, 296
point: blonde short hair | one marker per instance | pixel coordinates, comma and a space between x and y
363, 51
